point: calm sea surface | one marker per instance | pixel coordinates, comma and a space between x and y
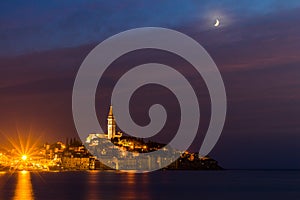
158, 185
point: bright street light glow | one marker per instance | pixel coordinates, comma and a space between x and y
24, 157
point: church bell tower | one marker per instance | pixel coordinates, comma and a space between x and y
111, 124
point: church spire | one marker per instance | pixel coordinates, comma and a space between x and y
110, 111
111, 124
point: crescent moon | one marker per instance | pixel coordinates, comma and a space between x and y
217, 23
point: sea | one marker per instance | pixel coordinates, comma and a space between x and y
184, 185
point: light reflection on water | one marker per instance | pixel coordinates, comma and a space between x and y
92, 185
23, 189
129, 186
135, 186
98, 185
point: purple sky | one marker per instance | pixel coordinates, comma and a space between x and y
256, 48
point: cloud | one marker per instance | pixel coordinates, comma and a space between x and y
37, 26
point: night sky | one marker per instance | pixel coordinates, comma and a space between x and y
256, 48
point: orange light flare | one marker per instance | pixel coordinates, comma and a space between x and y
24, 150
24, 157
24, 147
